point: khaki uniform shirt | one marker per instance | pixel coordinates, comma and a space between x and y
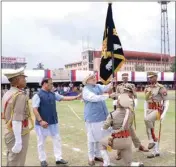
21, 110
156, 93
120, 89
117, 119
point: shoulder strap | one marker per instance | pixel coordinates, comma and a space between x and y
160, 85
14, 99
6, 103
9, 127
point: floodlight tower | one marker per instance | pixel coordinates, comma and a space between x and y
165, 47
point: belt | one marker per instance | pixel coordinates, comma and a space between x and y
155, 106
121, 134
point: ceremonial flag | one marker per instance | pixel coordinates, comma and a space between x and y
112, 56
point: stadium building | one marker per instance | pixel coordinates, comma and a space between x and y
136, 61
12, 62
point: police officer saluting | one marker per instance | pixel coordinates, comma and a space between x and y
155, 107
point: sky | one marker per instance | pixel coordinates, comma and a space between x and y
55, 33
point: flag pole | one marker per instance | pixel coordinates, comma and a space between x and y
113, 76
113, 73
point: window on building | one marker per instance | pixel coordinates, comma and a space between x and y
90, 57
91, 66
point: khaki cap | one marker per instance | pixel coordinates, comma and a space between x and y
88, 77
124, 100
125, 75
15, 73
128, 87
151, 74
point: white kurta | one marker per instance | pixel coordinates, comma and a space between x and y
95, 132
94, 129
43, 133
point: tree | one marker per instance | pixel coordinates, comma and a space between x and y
139, 67
40, 66
173, 67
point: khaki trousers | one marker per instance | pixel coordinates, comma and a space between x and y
124, 145
16, 159
134, 137
150, 119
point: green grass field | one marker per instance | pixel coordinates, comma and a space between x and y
74, 141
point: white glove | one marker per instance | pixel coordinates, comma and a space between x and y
17, 128
17, 147
166, 106
162, 118
110, 129
114, 103
135, 103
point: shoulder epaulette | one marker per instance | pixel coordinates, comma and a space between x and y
120, 84
160, 85
132, 84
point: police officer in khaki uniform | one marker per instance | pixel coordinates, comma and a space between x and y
155, 107
121, 88
17, 117
120, 138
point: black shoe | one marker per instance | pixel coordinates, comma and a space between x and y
153, 155
43, 164
141, 164
62, 161
151, 145
157, 155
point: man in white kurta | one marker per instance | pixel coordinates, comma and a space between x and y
44, 107
95, 113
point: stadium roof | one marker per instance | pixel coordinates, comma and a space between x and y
140, 55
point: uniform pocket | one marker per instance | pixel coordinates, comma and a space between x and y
9, 137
